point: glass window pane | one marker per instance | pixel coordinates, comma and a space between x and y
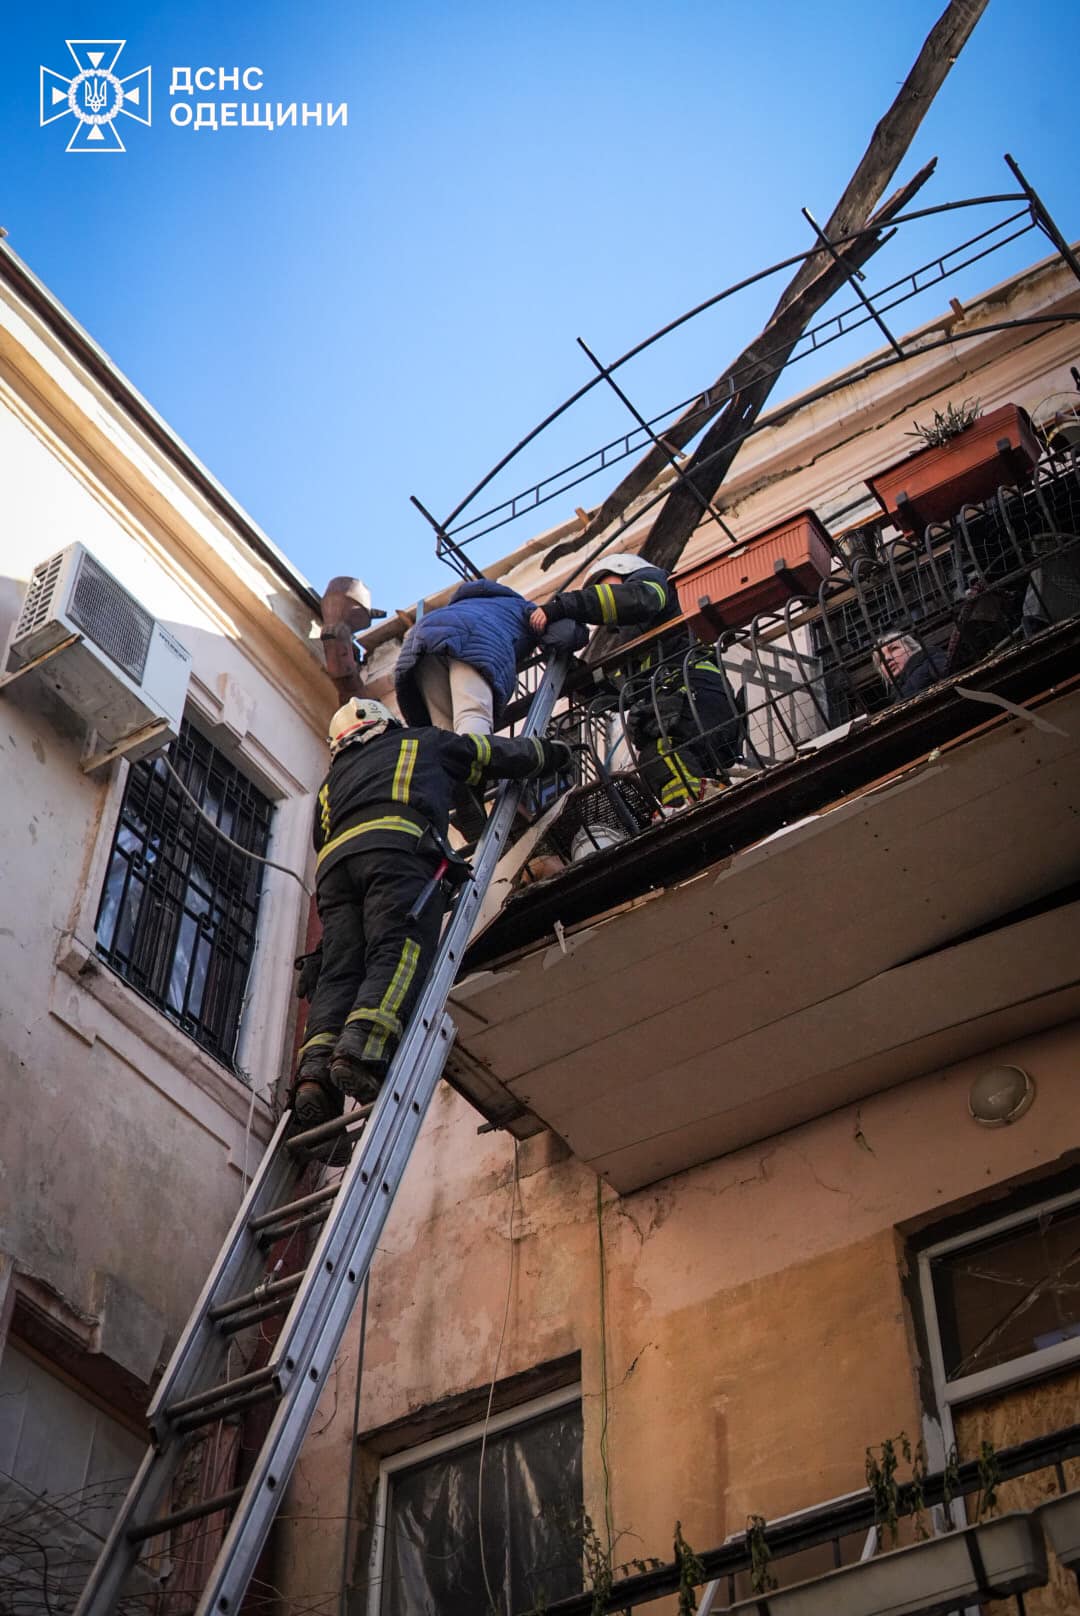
147, 922
1016, 1293
531, 1510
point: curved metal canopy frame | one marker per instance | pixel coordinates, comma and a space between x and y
456, 531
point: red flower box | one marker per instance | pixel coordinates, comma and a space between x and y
758, 576
932, 485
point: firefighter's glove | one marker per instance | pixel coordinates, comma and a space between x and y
558, 757
309, 966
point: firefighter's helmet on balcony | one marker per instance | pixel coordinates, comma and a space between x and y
623, 566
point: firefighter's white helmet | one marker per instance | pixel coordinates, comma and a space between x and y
358, 720
623, 566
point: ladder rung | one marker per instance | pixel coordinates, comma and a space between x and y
277, 1214
327, 1130
261, 1293
215, 1394
180, 1517
269, 1237
241, 1321
219, 1411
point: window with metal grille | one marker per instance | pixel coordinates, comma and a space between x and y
179, 906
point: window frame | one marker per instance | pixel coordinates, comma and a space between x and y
460, 1437
178, 906
998, 1377
106, 1006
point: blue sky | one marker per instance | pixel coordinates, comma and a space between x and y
336, 318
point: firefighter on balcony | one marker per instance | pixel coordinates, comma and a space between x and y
380, 839
694, 729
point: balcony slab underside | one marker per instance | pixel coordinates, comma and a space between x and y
929, 918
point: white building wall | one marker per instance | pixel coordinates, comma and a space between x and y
123, 1145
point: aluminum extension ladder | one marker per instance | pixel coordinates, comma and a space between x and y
193, 1393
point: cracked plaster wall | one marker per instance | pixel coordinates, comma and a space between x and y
758, 1335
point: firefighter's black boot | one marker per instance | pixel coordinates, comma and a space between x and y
315, 1097
350, 1072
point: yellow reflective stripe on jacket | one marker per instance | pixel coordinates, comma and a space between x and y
660, 590
324, 811
385, 822
538, 748
403, 774
608, 610
482, 744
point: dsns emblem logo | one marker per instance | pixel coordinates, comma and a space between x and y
95, 95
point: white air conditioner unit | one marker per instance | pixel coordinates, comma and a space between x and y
123, 672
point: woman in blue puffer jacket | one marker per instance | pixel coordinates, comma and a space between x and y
458, 665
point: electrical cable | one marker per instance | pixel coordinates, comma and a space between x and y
493, 1608
246, 851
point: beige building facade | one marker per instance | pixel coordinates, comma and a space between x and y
722, 1243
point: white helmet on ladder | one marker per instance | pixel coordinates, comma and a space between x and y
623, 566
358, 720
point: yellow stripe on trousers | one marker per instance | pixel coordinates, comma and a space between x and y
392, 999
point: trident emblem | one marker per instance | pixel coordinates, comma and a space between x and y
94, 94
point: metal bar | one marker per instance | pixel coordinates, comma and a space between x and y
214, 1394
709, 303
848, 379
231, 1405
838, 1518
706, 504
327, 1130
852, 278
278, 1231
241, 1321
446, 543
180, 1517
462, 534
254, 1298
266, 1220
1044, 218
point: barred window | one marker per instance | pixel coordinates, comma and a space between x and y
179, 906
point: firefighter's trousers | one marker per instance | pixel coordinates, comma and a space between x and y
674, 754
375, 959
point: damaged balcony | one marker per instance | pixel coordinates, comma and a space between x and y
884, 884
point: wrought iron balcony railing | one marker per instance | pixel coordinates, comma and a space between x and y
898, 615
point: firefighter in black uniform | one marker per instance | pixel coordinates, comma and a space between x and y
380, 828
694, 729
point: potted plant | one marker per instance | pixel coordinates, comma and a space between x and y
966, 457
929, 1577
756, 575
